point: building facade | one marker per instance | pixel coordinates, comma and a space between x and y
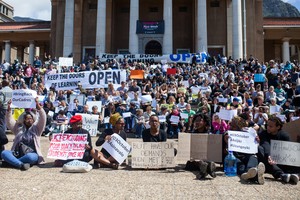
6, 12
84, 28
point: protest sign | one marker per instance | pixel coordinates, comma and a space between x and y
198, 147
274, 109
117, 147
23, 98
87, 79
80, 98
171, 71
227, 114
94, 103
285, 153
222, 100
174, 119
184, 115
65, 61
126, 114
146, 98
293, 129
259, 78
152, 155
67, 146
136, 74
243, 142
162, 118
90, 123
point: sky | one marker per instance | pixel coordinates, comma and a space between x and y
41, 9
36, 9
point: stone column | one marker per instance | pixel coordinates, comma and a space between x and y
168, 35
134, 17
201, 26
101, 27
31, 52
68, 28
285, 49
237, 34
7, 50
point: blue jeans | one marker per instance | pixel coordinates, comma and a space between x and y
173, 131
139, 128
31, 158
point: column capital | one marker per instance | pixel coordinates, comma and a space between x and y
6, 41
31, 41
285, 39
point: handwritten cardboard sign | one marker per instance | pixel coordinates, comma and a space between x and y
198, 147
67, 146
285, 153
117, 147
243, 142
293, 129
152, 155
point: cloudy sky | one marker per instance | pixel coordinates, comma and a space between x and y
41, 9
37, 9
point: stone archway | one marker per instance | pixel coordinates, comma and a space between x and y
153, 47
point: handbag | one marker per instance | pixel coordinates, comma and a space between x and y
22, 150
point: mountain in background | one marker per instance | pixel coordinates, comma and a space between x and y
278, 8
26, 19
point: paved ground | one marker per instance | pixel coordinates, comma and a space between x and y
46, 182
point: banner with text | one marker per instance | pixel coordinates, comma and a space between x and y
243, 142
285, 153
152, 155
179, 58
67, 146
87, 79
198, 147
90, 123
23, 98
117, 147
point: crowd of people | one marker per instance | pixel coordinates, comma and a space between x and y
265, 95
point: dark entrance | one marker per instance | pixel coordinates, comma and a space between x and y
153, 47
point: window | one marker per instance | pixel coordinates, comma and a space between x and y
182, 51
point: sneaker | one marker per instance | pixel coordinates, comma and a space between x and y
25, 166
251, 173
260, 173
211, 169
285, 177
294, 179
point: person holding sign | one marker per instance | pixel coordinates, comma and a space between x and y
154, 134
3, 137
103, 157
248, 166
26, 148
200, 124
274, 132
76, 128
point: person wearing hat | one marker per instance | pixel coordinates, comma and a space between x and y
26, 148
76, 128
103, 157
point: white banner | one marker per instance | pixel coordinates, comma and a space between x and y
117, 147
243, 142
67, 146
285, 153
179, 58
90, 123
65, 61
24, 98
88, 79
152, 155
